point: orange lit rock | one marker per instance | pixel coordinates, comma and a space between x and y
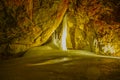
25, 23
93, 24
96, 26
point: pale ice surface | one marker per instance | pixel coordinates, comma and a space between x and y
51, 49
50, 63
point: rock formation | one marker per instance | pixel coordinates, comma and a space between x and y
93, 25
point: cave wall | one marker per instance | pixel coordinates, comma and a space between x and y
93, 25
28, 23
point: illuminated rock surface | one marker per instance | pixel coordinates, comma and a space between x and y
93, 25
96, 26
28, 23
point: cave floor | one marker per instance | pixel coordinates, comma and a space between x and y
39, 64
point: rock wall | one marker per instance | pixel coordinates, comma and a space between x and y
93, 25
28, 23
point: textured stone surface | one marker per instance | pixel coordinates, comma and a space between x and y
93, 25
28, 23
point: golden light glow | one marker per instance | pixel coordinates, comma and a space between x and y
64, 34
